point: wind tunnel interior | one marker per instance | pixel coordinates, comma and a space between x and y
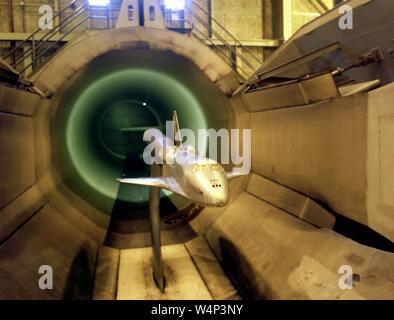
62, 204
318, 196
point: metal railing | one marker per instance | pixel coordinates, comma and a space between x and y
239, 57
33, 52
40, 46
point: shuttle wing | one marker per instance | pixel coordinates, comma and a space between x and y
170, 184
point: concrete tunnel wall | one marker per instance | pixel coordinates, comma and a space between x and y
267, 252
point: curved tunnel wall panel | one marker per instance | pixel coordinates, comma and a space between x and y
85, 217
17, 156
19, 211
18, 102
319, 150
337, 151
32, 232
47, 239
282, 257
79, 53
380, 160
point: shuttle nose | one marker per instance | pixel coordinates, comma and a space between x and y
221, 198
216, 198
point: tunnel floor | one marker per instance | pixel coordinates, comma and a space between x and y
191, 270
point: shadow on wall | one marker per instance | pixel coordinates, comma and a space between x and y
80, 280
362, 234
358, 232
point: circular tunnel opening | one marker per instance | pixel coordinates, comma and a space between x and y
103, 112
122, 125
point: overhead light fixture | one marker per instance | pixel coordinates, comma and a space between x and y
175, 4
99, 3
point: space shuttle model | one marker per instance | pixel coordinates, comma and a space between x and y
195, 177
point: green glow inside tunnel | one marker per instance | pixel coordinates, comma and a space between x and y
105, 112
94, 170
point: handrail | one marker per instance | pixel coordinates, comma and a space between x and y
39, 29
56, 42
197, 18
225, 30
49, 35
228, 59
230, 47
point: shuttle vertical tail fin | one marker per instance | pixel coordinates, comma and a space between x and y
177, 134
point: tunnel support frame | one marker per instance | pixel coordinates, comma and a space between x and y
154, 212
